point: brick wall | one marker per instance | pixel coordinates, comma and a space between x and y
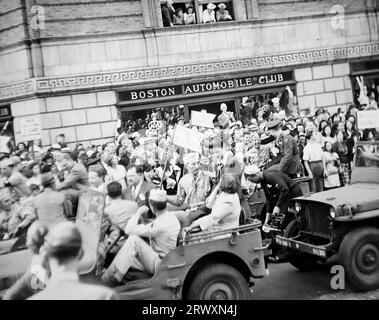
326, 86
294, 8
89, 118
200, 43
11, 22
68, 18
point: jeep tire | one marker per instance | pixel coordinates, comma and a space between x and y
359, 255
219, 282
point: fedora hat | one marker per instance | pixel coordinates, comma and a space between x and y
211, 6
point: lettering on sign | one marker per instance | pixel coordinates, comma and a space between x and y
202, 87
31, 128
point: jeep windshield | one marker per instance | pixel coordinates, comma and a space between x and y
366, 163
367, 155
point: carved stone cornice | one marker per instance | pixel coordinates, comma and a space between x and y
114, 79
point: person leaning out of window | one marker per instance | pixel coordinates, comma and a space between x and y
168, 13
179, 17
222, 14
189, 16
209, 14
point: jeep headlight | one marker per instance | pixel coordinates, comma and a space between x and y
332, 212
297, 206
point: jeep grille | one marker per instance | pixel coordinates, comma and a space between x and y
315, 220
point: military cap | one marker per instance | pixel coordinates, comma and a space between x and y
273, 124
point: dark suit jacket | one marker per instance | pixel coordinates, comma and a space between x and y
289, 155
223, 121
278, 185
142, 194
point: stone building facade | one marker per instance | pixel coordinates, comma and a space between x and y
76, 63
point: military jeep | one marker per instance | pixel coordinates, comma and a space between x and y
343, 222
217, 265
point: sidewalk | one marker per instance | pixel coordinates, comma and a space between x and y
350, 295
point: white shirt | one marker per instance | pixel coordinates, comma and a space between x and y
118, 174
163, 231
209, 17
312, 152
136, 189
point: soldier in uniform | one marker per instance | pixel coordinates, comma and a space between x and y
288, 159
279, 190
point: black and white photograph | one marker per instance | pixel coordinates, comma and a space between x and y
189, 150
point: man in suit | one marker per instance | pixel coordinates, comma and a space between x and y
51, 207
138, 189
225, 118
76, 179
288, 160
63, 247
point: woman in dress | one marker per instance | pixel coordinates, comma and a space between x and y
189, 17
330, 162
116, 172
340, 147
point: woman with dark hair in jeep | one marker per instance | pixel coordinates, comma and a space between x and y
225, 204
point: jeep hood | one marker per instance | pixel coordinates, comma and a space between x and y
361, 196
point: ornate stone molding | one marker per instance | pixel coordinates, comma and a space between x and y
136, 76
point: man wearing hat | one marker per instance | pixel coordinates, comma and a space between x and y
194, 186
11, 177
278, 188
13, 217
209, 14
63, 249
223, 14
136, 253
51, 207
288, 160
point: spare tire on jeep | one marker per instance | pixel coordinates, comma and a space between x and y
219, 282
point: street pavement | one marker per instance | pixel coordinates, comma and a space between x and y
285, 282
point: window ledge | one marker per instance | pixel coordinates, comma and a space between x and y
238, 23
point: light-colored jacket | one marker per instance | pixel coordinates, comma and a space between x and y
225, 213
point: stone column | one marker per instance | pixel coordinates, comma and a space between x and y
252, 9
151, 12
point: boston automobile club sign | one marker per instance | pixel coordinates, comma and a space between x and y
233, 83
263, 80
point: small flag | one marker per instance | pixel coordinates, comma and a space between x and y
202, 119
188, 138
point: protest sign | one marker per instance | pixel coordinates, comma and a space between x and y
202, 119
31, 128
188, 138
368, 119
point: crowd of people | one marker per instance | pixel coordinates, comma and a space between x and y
186, 16
153, 188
